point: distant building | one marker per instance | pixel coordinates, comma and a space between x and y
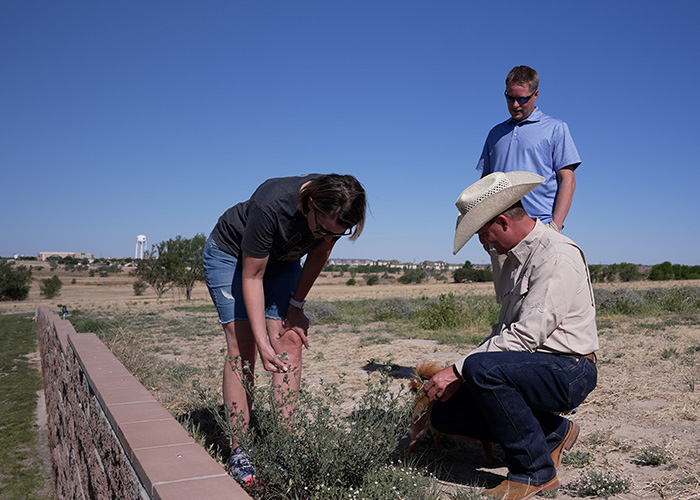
439, 265
76, 255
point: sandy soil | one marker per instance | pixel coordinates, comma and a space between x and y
647, 396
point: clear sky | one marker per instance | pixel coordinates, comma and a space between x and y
127, 118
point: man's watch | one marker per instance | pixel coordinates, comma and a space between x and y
296, 303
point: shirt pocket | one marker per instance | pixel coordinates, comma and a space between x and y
512, 302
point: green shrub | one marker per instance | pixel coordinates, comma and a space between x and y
650, 302
393, 308
440, 313
50, 287
320, 454
320, 312
447, 311
140, 287
621, 301
412, 276
683, 299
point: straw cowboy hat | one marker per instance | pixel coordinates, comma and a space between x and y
487, 198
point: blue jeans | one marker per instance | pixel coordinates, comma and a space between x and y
513, 398
223, 275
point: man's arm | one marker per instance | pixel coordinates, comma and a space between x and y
566, 180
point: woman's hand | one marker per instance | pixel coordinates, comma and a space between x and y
270, 360
443, 384
296, 322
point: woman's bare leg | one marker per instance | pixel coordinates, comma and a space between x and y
240, 347
286, 385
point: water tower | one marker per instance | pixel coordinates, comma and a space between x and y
140, 246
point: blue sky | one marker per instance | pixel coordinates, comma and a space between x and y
127, 118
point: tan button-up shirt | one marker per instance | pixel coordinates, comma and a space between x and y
546, 299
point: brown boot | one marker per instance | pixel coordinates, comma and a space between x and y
512, 490
566, 444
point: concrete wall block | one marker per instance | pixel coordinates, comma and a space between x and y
108, 435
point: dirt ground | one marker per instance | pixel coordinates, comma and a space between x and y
648, 391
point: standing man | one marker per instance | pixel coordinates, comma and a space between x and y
534, 142
539, 360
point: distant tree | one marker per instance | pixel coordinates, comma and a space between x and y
459, 275
469, 273
14, 281
667, 271
412, 276
155, 270
351, 282
175, 262
371, 279
50, 287
186, 258
629, 272
596, 272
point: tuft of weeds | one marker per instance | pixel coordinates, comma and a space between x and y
467, 493
653, 455
669, 352
599, 438
373, 340
601, 483
578, 459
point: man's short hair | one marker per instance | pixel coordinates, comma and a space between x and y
515, 211
524, 75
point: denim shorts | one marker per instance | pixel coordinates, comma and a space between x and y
223, 276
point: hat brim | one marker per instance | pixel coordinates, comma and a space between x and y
484, 211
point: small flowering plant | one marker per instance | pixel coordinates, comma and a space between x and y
601, 483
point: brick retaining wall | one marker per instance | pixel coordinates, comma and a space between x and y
109, 437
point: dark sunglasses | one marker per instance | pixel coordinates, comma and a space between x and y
322, 232
521, 100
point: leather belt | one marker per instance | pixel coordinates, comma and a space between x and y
590, 356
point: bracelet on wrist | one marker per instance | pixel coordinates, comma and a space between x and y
299, 304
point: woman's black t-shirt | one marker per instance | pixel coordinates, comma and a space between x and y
268, 224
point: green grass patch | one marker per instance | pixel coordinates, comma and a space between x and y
20, 464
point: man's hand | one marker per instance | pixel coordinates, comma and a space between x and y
443, 384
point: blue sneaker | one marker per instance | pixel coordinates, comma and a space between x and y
240, 467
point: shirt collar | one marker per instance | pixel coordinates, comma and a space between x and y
522, 250
535, 116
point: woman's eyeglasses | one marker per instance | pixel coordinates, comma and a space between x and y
321, 231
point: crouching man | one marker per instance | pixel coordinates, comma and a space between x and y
539, 360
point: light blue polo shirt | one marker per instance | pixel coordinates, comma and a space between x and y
540, 144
